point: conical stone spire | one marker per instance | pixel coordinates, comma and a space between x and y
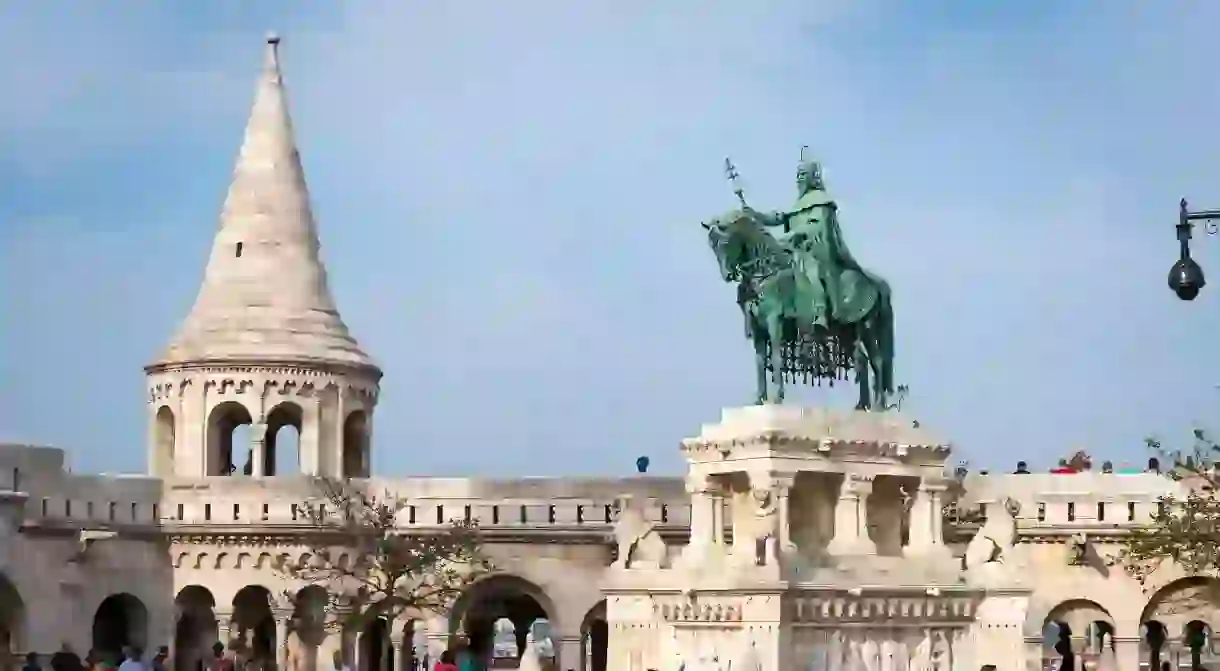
265, 296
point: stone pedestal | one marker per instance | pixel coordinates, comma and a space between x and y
777, 600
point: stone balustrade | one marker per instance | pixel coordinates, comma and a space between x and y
1087, 500
52, 496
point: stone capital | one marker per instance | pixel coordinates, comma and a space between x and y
856, 485
703, 484
778, 481
933, 485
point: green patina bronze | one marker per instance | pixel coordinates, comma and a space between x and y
813, 313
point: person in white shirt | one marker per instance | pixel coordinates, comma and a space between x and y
131, 661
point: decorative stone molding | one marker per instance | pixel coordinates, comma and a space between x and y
896, 610
699, 612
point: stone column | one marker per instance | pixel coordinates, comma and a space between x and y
705, 538
258, 449
568, 652
309, 441
927, 537
224, 627
851, 517
436, 638
281, 639
1127, 652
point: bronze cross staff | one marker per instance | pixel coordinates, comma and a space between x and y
731, 171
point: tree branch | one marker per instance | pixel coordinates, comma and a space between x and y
379, 570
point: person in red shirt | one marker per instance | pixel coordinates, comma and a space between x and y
446, 662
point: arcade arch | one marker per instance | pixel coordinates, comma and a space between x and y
164, 435
594, 639
195, 629
1179, 621
120, 620
520, 601
356, 445
12, 617
229, 440
1080, 624
307, 628
282, 443
253, 624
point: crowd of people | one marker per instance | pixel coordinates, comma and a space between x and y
131, 658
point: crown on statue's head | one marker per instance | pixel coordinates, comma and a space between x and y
809, 169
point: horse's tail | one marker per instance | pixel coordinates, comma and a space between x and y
885, 339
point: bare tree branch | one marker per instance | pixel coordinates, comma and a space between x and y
371, 568
1184, 530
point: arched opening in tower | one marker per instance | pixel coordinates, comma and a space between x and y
229, 440
283, 439
121, 620
163, 442
356, 445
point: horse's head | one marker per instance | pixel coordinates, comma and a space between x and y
731, 242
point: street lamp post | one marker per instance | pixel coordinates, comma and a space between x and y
1186, 277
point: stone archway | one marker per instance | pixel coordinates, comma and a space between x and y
253, 625
1079, 623
120, 620
499, 596
195, 630
594, 639
12, 622
1182, 610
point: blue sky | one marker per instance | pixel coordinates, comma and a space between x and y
509, 204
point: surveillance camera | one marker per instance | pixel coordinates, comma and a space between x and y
1187, 292
1186, 279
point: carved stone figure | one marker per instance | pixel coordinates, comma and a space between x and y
997, 536
639, 543
1078, 549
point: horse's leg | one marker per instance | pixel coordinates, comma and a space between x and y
760, 362
862, 367
775, 331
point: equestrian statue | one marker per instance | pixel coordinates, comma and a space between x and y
812, 312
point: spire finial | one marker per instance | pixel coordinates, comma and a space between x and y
272, 38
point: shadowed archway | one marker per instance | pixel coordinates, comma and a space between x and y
12, 618
121, 620
195, 630
499, 596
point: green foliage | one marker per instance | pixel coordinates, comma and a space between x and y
391, 571
1185, 530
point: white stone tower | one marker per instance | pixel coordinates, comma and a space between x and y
263, 345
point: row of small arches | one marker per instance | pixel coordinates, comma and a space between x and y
231, 450
246, 560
